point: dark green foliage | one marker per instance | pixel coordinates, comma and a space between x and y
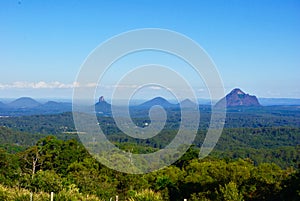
291, 187
9, 168
46, 181
13, 140
61, 164
45, 124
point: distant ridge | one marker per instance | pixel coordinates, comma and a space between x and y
28, 106
2, 105
187, 103
53, 106
156, 101
279, 101
24, 102
237, 98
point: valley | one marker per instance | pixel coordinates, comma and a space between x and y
257, 155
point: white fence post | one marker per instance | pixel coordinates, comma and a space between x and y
51, 196
30, 196
117, 198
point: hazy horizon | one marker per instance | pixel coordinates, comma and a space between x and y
206, 101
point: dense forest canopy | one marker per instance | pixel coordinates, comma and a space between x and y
62, 167
256, 158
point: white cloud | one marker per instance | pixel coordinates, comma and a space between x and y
121, 86
91, 84
155, 87
38, 85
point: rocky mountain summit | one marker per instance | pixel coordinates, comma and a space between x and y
238, 98
103, 107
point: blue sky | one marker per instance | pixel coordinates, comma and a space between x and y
254, 44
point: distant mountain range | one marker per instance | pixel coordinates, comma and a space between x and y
24, 102
104, 108
279, 101
236, 98
28, 106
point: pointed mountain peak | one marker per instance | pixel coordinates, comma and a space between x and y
102, 107
238, 98
237, 91
102, 102
101, 99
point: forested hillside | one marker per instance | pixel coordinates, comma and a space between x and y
65, 168
256, 158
